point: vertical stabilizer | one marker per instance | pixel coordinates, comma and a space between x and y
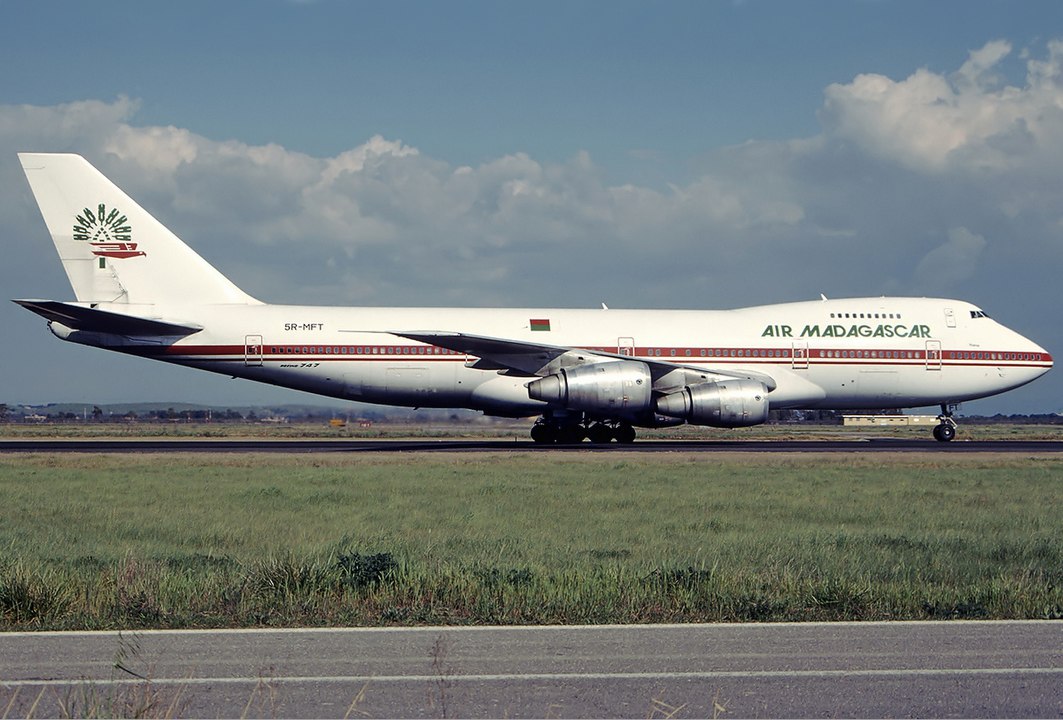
112, 249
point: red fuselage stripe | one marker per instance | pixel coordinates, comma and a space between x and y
743, 355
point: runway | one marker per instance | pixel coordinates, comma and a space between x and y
926, 669
877, 445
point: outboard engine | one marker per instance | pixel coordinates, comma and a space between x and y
725, 403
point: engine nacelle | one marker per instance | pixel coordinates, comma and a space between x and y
605, 387
726, 403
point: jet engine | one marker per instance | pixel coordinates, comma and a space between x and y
605, 387
726, 403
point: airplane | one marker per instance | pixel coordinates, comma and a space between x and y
592, 374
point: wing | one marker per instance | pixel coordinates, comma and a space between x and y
79, 317
537, 359
525, 358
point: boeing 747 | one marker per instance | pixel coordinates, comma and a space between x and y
586, 374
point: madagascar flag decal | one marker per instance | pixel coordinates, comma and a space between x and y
539, 325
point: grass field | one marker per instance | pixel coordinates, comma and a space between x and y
121, 541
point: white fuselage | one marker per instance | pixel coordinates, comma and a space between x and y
854, 353
590, 373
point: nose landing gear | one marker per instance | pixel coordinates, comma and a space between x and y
945, 430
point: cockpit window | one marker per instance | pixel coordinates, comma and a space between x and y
978, 314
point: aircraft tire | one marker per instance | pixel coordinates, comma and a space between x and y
570, 434
624, 434
543, 434
944, 432
599, 434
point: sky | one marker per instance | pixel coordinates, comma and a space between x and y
644, 154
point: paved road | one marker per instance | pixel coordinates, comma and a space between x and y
424, 446
928, 669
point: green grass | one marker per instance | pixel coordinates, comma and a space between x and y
103, 541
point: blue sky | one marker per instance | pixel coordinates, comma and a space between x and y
470, 81
670, 151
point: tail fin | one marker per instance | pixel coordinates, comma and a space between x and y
112, 249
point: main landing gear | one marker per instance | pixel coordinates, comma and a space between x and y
945, 430
568, 430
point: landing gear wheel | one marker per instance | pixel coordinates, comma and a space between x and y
600, 434
570, 434
624, 434
543, 434
944, 432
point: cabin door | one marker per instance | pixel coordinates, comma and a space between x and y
950, 318
933, 354
253, 350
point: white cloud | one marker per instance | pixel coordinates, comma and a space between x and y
156, 149
932, 123
355, 161
62, 126
953, 262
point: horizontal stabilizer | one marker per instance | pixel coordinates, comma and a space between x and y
79, 317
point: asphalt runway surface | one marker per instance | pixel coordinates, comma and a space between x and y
904, 669
1028, 447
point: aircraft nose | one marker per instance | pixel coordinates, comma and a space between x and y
1041, 357
1030, 360
1043, 354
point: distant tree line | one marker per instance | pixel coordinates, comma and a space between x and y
1038, 419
